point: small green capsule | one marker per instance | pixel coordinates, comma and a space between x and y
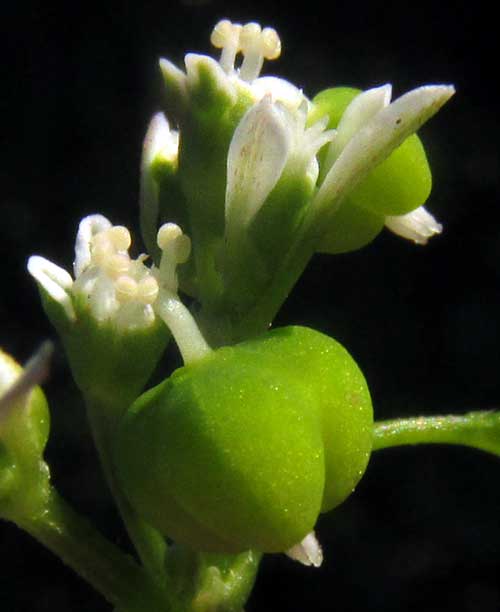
397, 186
24, 430
244, 448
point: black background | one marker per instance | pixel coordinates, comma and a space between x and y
422, 532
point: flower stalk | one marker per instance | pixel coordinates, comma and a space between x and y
480, 430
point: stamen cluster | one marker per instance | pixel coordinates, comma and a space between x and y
114, 284
253, 42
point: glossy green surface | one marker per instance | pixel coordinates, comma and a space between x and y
244, 448
24, 430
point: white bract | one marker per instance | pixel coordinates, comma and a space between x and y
161, 147
308, 552
418, 225
369, 131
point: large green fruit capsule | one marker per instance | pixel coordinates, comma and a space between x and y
328, 370
244, 448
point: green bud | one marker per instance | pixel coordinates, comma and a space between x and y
24, 430
245, 447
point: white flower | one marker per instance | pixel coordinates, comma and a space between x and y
269, 139
255, 45
119, 289
271, 136
107, 280
371, 131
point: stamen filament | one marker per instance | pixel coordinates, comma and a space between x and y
184, 328
226, 36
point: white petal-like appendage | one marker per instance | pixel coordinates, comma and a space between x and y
364, 106
418, 225
313, 139
16, 382
280, 90
54, 280
307, 552
88, 228
102, 300
160, 142
377, 139
257, 155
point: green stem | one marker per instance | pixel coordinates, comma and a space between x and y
75, 540
479, 430
149, 544
225, 581
259, 318
207, 582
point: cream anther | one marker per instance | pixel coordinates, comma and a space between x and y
224, 33
147, 290
101, 240
226, 36
119, 237
116, 264
250, 35
167, 233
126, 289
271, 44
257, 44
176, 247
172, 240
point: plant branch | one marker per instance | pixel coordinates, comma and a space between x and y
149, 544
76, 541
479, 430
